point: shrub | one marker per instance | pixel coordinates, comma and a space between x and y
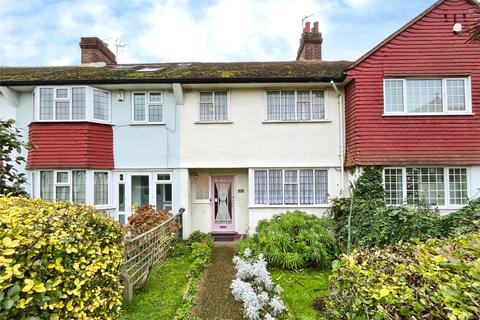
462, 221
439, 279
254, 287
145, 218
58, 261
293, 240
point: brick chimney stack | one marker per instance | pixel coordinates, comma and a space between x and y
95, 50
310, 44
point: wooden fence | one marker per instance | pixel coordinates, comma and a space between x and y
143, 252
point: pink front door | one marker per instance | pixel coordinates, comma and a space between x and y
223, 204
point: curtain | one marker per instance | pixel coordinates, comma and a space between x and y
223, 215
78, 186
46, 185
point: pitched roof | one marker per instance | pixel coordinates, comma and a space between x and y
396, 33
228, 72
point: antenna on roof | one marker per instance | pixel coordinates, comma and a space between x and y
305, 18
119, 44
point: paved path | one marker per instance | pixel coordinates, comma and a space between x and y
214, 298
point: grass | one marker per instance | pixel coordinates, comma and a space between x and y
163, 293
301, 288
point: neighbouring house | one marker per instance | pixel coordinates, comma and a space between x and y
413, 106
231, 143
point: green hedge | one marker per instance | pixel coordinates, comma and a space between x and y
293, 240
58, 261
439, 279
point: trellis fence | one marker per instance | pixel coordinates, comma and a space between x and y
144, 251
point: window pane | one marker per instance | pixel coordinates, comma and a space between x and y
62, 93
275, 186
163, 177
202, 188
394, 96
121, 197
62, 193
273, 105
288, 105
140, 190
164, 196
46, 185
424, 95
62, 110
62, 177
138, 107
456, 95
303, 105
393, 187
46, 104
221, 106
155, 113
306, 186
260, 181
155, 97
318, 105
291, 187
78, 178
206, 106
458, 186
426, 185
78, 103
321, 186
100, 105
100, 188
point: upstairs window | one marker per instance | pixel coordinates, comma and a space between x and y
213, 106
427, 96
300, 105
148, 107
71, 103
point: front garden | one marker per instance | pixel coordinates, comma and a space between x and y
365, 261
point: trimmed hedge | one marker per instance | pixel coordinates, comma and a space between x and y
439, 279
58, 261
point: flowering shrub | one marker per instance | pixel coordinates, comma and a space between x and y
294, 240
145, 218
254, 287
58, 261
439, 279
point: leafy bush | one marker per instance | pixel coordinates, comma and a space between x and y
293, 240
184, 247
58, 261
462, 221
439, 279
145, 218
254, 287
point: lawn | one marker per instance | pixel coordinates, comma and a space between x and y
163, 293
301, 288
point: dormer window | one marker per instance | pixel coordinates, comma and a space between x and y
72, 104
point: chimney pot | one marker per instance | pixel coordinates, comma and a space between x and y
94, 50
310, 44
307, 27
315, 26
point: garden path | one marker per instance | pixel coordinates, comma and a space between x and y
214, 299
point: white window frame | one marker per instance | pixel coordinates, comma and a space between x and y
325, 98
405, 112
446, 181
251, 185
194, 187
228, 120
89, 105
147, 107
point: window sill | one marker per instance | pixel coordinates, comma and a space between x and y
147, 123
104, 207
427, 114
72, 121
201, 202
213, 122
296, 121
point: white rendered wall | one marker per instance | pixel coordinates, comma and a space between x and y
7, 111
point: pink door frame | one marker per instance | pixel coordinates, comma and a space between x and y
231, 226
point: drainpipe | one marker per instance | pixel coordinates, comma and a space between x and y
341, 112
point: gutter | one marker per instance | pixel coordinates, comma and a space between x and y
341, 112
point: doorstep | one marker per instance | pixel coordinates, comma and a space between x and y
228, 236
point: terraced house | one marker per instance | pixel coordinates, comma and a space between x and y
233, 143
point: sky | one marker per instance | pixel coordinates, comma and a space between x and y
47, 32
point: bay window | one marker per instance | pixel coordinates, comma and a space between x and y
299, 105
434, 186
100, 188
427, 96
290, 187
71, 104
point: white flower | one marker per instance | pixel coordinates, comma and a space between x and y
247, 253
277, 305
269, 317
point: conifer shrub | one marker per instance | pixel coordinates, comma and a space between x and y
293, 240
438, 279
58, 261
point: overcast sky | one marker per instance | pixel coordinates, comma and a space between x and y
43, 32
